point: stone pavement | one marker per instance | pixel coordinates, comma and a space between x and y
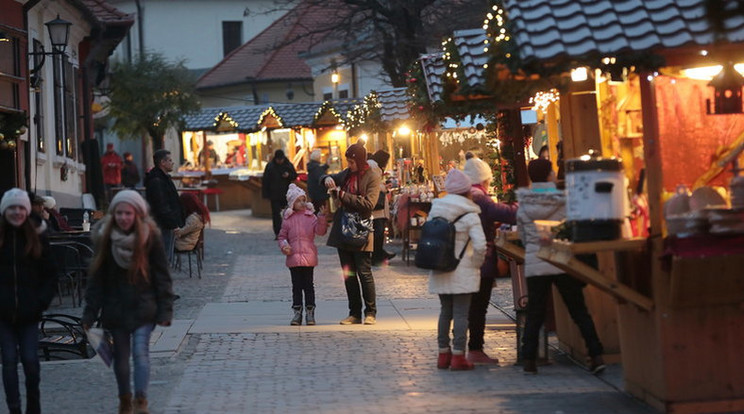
231, 349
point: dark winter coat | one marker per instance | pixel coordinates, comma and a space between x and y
122, 305
27, 285
129, 175
274, 185
163, 199
362, 201
316, 189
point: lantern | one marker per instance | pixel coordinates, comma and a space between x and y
727, 91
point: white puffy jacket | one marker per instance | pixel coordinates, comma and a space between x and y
540, 202
466, 278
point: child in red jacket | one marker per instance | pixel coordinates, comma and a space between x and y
296, 240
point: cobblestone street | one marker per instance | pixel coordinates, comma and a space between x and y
232, 350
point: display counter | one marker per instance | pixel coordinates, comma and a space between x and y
231, 195
680, 312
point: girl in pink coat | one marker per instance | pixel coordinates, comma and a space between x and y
296, 240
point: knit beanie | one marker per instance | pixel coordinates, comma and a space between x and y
539, 169
457, 182
382, 158
49, 201
15, 197
132, 198
357, 152
478, 170
293, 193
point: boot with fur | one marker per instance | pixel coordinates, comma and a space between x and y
140, 405
125, 404
310, 315
297, 318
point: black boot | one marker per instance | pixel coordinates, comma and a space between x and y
297, 318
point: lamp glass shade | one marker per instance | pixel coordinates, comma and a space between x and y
727, 95
59, 32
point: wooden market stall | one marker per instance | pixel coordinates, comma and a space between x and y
680, 293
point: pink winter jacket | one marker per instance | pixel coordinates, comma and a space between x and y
299, 230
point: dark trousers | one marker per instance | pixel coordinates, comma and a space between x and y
302, 282
480, 300
21, 341
571, 290
378, 225
357, 268
276, 214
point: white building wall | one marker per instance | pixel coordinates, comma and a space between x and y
192, 29
45, 167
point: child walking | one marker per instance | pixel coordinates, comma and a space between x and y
296, 240
455, 288
129, 291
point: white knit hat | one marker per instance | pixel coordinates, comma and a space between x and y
132, 198
49, 201
457, 182
15, 197
478, 170
293, 193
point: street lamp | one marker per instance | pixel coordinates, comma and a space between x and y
59, 34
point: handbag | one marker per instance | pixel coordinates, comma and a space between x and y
354, 229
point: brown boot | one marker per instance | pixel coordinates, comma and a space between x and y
140, 405
125, 404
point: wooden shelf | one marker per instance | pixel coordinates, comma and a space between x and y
504, 245
636, 243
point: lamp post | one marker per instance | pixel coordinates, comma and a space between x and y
59, 34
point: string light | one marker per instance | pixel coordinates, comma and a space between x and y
270, 111
542, 100
221, 118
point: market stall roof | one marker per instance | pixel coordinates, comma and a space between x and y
433, 68
393, 104
306, 114
564, 29
245, 118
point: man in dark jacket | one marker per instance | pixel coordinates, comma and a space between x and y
162, 195
129, 174
277, 176
315, 170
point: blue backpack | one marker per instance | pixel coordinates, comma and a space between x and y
436, 247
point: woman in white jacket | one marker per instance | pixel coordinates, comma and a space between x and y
456, 287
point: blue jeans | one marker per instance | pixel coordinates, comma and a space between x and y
454, 312
137, 344
21, 341
169, 241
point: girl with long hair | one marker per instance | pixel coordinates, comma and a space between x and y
27, 285
197, 216
129, 290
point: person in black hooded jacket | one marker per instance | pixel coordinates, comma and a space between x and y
27, 285
163, 197
277, 176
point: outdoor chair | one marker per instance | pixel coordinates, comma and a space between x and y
197, 251
70, 270
62, 337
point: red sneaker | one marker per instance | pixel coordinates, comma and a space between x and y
481, 358
443, 362
460, 363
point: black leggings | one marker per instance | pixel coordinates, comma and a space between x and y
302, 282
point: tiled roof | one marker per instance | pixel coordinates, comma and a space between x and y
245, 116
105, 13
393, 104
301, 114
550, 29
433, 67
264, 57
471, 48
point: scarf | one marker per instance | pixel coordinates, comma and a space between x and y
122, 246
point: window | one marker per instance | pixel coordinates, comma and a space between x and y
232, 36
65, 106
10, 73
343, 94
